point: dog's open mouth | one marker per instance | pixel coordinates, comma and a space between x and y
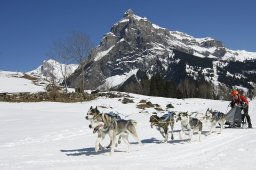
97, 128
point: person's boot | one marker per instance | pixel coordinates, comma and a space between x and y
249, 122
238, 125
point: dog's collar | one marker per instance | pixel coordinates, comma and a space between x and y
158, 123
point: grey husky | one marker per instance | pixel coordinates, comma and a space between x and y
215, 117
162, 123
105, 124
189, 124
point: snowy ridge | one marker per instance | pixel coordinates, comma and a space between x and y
10, 74
197, 44
51, 68
241, 55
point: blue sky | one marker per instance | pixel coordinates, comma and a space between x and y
28, 28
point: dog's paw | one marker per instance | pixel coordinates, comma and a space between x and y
101, 148
164, 141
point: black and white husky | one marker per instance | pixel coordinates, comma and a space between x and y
215, 117
189, 124
105, 124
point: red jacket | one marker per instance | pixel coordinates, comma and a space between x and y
241, 99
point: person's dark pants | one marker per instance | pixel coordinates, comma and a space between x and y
247, 117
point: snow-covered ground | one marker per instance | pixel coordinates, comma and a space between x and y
15, 82
56, 136
12, 82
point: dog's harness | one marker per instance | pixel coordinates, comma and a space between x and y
107, 126
161, 122
169, 114
216, 115
114, 115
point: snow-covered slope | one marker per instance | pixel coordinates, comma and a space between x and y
57, 136
53, 69
36, 80
12, 82
209, 47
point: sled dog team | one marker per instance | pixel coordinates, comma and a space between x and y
118, 129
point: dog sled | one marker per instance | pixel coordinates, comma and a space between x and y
234, 118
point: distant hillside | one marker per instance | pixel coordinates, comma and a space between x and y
36, 80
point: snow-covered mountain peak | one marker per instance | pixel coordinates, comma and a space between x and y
135, 43
51, 61
129, 12
201, 47
52, 69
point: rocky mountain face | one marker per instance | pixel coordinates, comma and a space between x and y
139, 56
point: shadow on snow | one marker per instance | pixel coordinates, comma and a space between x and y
91, 150
86, 151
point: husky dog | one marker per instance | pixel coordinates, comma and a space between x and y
162, 123
189, 124
215, 117
94, 112
106, 124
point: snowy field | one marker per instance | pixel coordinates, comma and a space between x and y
49, 135
12, 82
